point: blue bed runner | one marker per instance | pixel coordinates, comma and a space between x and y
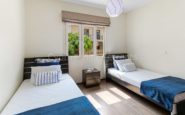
77, 106
163, 90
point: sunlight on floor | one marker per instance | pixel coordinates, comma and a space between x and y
108, 97
120, 93
93, 101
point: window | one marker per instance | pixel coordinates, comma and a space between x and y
88, 40
73, 41
100, 38
85, 39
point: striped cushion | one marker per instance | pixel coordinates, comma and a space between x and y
44, 78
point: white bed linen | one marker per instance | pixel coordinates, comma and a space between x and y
30, 97
135, 77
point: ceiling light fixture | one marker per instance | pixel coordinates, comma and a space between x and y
114, 8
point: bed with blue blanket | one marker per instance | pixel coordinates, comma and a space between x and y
63, 98
167, 92
163, 90
71, 107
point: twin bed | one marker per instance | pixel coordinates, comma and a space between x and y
63, 98
133, 81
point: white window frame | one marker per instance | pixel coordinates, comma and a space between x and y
81, 39
94, 37
68, 30
104, 39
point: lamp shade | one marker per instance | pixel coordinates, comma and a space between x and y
114, 8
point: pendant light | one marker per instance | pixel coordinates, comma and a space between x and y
114, 8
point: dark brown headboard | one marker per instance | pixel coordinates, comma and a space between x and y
109, 60
30, 62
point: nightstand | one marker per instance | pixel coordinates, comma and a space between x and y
91, 77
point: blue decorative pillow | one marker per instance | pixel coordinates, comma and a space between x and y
47, 60
47, 64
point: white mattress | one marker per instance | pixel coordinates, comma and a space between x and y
136, 77
30, 97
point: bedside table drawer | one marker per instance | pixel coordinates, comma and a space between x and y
92, 77
90, 82
94, 73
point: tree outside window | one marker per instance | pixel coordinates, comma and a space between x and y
85, 40
73, 44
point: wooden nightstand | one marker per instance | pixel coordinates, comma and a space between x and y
91, 78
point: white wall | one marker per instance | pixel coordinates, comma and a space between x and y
156, 36
11, 48
45, 33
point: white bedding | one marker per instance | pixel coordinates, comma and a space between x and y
30, 97
136, 77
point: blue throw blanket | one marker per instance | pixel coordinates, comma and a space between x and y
163, 90
77, 106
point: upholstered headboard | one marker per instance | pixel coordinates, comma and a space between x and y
30, 62
109, 60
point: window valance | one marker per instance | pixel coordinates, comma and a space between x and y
84, 19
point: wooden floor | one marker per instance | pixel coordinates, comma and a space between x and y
111, 99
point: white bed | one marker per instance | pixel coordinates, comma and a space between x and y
30, 97
136, 77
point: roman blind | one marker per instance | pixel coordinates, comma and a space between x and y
85, 19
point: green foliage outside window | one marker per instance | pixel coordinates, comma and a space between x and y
88, 44
73, 44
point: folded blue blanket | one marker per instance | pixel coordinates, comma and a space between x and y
163, 90
77, 106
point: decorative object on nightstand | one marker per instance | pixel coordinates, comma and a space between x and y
91, 77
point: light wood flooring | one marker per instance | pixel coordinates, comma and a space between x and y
111, 99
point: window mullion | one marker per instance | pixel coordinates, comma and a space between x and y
68, 28
95, 41
82, 40
104, 40
80, 34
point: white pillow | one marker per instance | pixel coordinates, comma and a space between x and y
129, 67
46, 68
44, 78
126, 65
125, 61
41, 75
121, 62
115, 57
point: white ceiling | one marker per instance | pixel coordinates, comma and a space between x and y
128, 4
